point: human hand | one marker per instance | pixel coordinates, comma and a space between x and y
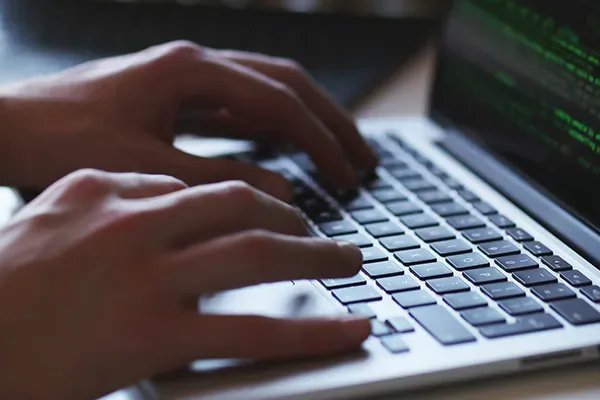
97, 276
120, 114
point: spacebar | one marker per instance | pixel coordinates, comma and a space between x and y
442, 325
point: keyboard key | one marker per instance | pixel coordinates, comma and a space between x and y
529, 324
463, 301
362, 309
483, 316
397, 243
336, 283
448, 285
484, 208
592, 293
533, 277
434, 234
484, 276
388, 195
369, 216
356, 294
325, 216
405, 174
397, 284
379, 329
516, 263
356, 239
520, 306
400, 325
418, 185
384, 229
419, 221
468, 261
575, 278
453, 183
482, 235
465, 222
451, 247
434, 197
415, 298
519, 235
431, 271
382, 269
449, 210
556, 263
403, 208
501, 221
393, 163
553, 292
356, 203
373, 254
413, 257
375, 183
576, 311
395, 344
537, 249
333, 229
501, 291
498, 249
468, 196
442, 325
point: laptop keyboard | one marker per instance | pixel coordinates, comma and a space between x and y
445, 257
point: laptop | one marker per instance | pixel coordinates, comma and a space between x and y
479, 232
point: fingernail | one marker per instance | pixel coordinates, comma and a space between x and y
351, 253
356, 329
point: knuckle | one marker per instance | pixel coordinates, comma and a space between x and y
88, 182
241, 194
177, 54
293, 70
259, 245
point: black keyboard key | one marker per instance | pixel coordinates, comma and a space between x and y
517, 262
519, 235
464, 301
529, 324
339, 228
451, 247
449, 210
468, 196
592, 293
384, 229
537, 249
419, 221
431, 271
483, 316
373, 254
414, 298
481, 235
521, 306
553, 292
413, 257
405, 174
501, 291
575, 278
442, 325
379, 329
484, 208
418, 185
463, 222
484, 276
437, 171
434, 234
556, 263
395, 344
356, 203
576, 312
498, 249
534, 277
468, 261
357, 239
501, 221
382, 269
448, 285
356, 294
393, 163
453, 183
397, 284
325, 216
336, 283
375, 183
398, 243
369, 216
388, 195
403, 208
400, 325
434, 197
362, 310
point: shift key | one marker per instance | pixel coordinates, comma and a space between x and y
442, 325
357, 294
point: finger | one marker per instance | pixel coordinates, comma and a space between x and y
207, 212
251, 258
137, 186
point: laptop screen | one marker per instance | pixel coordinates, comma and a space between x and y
522, 77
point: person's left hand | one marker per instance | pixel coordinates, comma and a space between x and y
120, 114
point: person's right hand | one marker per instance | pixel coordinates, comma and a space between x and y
97, 274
